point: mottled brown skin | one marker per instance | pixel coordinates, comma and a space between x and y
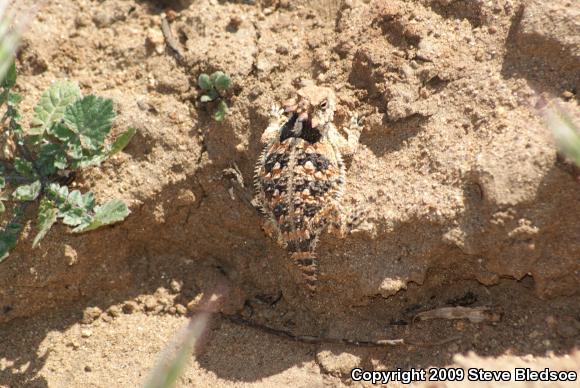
300, 176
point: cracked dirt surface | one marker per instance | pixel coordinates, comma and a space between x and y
467, 201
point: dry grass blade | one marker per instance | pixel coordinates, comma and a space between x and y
175, 356
13, 21
565, 131
474, 314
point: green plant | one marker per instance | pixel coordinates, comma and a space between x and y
214, 87
67, 133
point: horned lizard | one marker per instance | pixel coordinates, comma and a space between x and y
300, 176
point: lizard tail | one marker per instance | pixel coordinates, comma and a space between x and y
308, 265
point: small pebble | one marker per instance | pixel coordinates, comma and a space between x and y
103, 19
90, 314
567, 95
180, 309
114, 311
88, 368
175, 286
156, 40
86, 333
70, 254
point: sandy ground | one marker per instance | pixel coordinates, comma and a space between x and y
467, 201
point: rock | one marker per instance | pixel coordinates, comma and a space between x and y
90, 314
341, 363
70, 254
567, 95
114, 311
185, 197
391, 286
176, 285
86, 333
180, 309
155, 40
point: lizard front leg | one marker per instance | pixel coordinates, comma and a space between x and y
277, 119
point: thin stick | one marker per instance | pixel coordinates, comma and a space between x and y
312, 339
172, 43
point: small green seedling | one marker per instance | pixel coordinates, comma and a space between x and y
67, 133
214, 87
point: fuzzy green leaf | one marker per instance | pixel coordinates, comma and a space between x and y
52, 105
90, 160
88, 202
2, 182
75, 150
24, 168
27, 192
47, 215
215, 75
121, 142
221, 111
9, 238
51, 157
75, 198
75, 216
109, 213
57, 194
204, 81
91, 118
62, 133
223, 82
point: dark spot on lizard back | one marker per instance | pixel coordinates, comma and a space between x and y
320, 162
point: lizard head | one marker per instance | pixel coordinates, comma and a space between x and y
314, 104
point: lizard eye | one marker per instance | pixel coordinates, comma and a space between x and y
324, 104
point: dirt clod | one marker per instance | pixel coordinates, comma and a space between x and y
90, 314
